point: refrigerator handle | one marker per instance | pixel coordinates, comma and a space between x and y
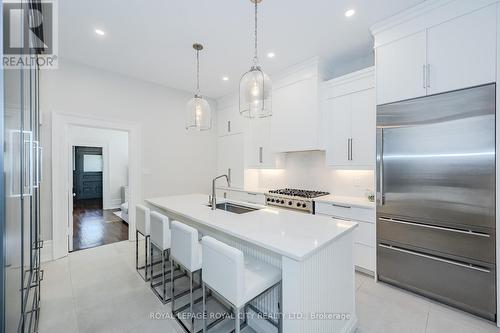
380, 166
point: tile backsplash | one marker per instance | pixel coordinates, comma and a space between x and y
308, 170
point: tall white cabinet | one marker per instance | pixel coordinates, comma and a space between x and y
230, 141
230, 158
350, 120
449, 47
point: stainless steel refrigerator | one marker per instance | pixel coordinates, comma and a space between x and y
436, 197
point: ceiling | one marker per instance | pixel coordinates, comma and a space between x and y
151, 39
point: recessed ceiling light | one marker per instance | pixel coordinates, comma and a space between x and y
350, 12
99, 32
225, 78
271, 55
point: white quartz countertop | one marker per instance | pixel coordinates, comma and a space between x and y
360, 202
291, 234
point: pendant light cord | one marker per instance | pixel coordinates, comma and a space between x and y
197, 72
255, 58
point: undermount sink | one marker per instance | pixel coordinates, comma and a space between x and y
234, 208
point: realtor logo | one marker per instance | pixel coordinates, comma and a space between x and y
30, 34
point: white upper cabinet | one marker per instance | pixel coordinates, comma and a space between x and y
351, 120
462, 52
231, 158
295, 116
295, 122
435, 47
258, 148
229, 121
401, 69
338, 115
363, 123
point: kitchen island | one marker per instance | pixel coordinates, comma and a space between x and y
314, 253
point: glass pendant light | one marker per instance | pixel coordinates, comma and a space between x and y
198, 113
255, 86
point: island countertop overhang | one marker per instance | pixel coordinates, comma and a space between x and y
295, 235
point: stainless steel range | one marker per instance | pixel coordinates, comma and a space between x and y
294, 199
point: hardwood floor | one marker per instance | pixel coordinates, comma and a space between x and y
93, 226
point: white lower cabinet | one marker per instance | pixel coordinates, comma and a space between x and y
364, 234
231, 158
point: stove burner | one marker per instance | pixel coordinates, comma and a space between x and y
299, 193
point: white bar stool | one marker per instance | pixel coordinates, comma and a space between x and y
185, 252
236, 278
160, 239
142, 224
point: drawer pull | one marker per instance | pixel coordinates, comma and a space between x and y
467, 232
341, 206
341, 218
251, 193
470, 266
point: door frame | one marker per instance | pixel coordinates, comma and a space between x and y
105, 180
62, 194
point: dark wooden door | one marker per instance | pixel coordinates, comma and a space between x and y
87, 173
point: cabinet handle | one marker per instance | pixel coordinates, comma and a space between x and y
424, 82
428, 76
229, 176
341, 206
467, 232
348, 150
229, 126
418, 254
260, 154
350, 140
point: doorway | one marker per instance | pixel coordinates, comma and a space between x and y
99, 176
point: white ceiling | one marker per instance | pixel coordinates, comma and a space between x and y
151, 39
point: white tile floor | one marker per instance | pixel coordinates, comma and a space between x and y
98, 290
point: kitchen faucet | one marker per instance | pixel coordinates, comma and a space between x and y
213, 200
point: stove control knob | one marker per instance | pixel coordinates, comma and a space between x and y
289, 203
268, 199
282, 202
272, 200
304, 205
298, 204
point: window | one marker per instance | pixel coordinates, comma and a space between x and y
92, 163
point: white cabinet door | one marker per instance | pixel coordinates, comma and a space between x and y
462, 52
401, 69
339, 131
229, 121
231, 159
363, 124
295, 116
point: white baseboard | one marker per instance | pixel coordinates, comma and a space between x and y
46, 253
112, 204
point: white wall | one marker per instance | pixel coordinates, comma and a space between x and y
174, 161
307, 170
115, 158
